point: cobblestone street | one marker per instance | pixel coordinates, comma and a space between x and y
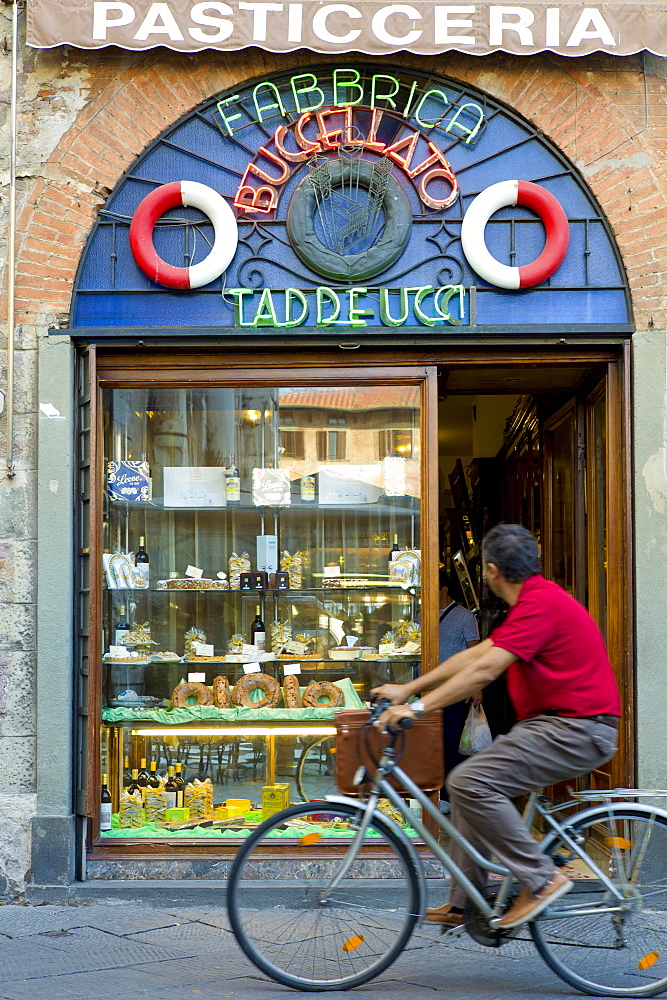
74, 952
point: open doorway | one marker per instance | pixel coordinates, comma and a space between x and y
538, 445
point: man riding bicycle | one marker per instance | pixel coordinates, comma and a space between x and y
562, 686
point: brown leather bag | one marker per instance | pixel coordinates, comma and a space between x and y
423, 759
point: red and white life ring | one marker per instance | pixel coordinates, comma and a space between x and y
530, 196
187, 193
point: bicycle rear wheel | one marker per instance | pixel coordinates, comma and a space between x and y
621, 953
307, 943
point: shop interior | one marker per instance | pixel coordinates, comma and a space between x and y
528, 446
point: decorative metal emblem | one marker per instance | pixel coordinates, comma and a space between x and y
349, 218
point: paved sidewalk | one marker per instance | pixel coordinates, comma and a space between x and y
155, 952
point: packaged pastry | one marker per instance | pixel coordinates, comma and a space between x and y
293, 564
237, 565
236, 643
140, 635
199, 799
192, 636
186, 583
281, 634
130, 810
155, 805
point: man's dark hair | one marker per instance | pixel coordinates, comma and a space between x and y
513, 549
444, 580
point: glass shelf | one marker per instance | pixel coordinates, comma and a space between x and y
265, 593
403, 505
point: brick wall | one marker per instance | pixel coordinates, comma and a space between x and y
84, 117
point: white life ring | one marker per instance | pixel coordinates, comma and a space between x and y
530, 196
196, 195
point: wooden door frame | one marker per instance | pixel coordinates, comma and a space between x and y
570, 411
136, 365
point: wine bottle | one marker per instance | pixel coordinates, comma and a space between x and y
135, 787
153, 778
180, 787
141, 560
394, 552
232, 483
171, 788
122, 627
258, 631
142, 779
127, 774
105, 805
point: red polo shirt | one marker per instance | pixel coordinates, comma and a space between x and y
562, 665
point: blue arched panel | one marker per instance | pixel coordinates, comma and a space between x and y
588, 288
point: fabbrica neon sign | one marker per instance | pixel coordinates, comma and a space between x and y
346, 172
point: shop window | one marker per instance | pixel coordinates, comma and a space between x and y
291, 444
395, 442
331, 446
199, 486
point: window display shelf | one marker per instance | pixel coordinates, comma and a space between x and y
201, 450
269, 592
388, 506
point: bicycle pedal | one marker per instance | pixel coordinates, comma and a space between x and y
452, 931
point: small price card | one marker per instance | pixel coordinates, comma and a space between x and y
196, 678
411, 647
291, 668
204, 649
194, 572
252, 668
117, 651
331, 571
296, 648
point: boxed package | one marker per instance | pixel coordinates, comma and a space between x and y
274, 799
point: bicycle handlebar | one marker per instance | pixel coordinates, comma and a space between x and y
379, 707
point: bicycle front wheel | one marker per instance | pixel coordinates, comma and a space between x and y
611, 949
304, 940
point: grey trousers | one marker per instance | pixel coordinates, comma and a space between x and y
537, 752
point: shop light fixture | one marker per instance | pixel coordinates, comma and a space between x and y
240, 731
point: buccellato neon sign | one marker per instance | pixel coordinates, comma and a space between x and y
324, 132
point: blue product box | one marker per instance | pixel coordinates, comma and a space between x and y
129, 481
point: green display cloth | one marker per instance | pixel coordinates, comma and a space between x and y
151, 832
203, 713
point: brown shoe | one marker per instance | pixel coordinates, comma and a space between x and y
529, 905
443, 915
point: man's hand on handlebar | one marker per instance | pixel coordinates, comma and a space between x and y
392, 716
393, 692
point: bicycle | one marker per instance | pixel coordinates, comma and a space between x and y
339, 926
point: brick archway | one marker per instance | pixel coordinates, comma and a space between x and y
126, 112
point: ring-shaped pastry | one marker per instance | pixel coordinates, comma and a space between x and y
182, 692
251, 682
321, 689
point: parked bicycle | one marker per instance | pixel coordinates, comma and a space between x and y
338, 925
